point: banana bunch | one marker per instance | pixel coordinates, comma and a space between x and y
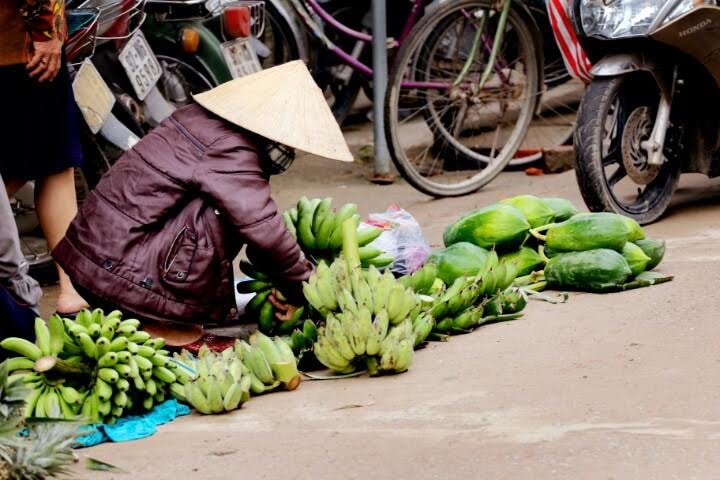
221, 383
271, 363
318, 230
51, 399
467, 291
423, 280
260, 309
338, 288
97, 366
350, 340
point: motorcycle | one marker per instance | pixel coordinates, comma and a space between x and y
203, 43
652, 110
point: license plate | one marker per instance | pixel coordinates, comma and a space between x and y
140, 64
240, 57
92, 96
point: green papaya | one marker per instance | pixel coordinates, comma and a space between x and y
588, 232
590, 270
655, 249
636, 258
526, 260
636, 231
458, 260
535, 210
563, 209
500, 226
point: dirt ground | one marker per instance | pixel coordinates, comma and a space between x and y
603, 387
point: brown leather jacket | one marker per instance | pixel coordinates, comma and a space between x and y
158, 234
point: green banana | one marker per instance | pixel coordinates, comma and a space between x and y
21, 347
368, 235
324, 231
252, 272
214, 396
233, 397
253, 286
42, 336
19, 363
322, 210
306, 214
257, 301
266, 317
56, 329
310, 331
164, 374
289, 225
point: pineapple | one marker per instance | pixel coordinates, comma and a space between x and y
45, 452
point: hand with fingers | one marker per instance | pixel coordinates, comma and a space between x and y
46, 60
286, 311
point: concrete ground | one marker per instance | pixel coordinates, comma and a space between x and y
603, 387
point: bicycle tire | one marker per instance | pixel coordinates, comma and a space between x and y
427, 31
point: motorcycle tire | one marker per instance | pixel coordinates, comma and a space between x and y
621, 96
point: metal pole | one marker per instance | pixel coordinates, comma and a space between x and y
380, 79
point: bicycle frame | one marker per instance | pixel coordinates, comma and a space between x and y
303, 7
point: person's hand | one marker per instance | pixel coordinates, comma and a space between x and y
286, 310
45, 62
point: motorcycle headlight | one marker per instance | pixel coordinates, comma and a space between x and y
627, 18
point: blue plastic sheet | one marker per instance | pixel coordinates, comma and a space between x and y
132, 427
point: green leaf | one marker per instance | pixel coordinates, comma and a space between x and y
100, 466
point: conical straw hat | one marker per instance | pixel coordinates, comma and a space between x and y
283, 104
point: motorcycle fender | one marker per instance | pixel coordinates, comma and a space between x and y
620, 64
209, 54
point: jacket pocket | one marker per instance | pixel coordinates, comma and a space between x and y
179, 257
189, 272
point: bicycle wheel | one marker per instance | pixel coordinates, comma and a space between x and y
447, 136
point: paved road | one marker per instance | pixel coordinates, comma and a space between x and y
603, 387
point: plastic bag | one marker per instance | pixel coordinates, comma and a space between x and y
402, 238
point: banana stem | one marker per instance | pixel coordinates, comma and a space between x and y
312, 376
537, 287
529, 279
372, 366
350, 247
51, 364
535, 232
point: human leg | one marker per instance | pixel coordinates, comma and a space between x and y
56, 206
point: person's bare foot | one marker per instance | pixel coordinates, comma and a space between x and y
70, 302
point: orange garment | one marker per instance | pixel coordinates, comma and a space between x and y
25, 21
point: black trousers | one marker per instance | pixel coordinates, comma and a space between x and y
16, 320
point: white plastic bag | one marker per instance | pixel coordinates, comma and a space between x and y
402, 238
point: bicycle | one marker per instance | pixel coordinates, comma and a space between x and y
463, 93
554, 121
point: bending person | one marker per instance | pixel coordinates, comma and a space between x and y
158, 235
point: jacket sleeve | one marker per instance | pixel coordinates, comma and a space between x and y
230, 174
44, 18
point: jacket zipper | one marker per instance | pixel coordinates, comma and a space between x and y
184, 132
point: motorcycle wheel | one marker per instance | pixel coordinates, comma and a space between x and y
278, 38
181, 79
616, 116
